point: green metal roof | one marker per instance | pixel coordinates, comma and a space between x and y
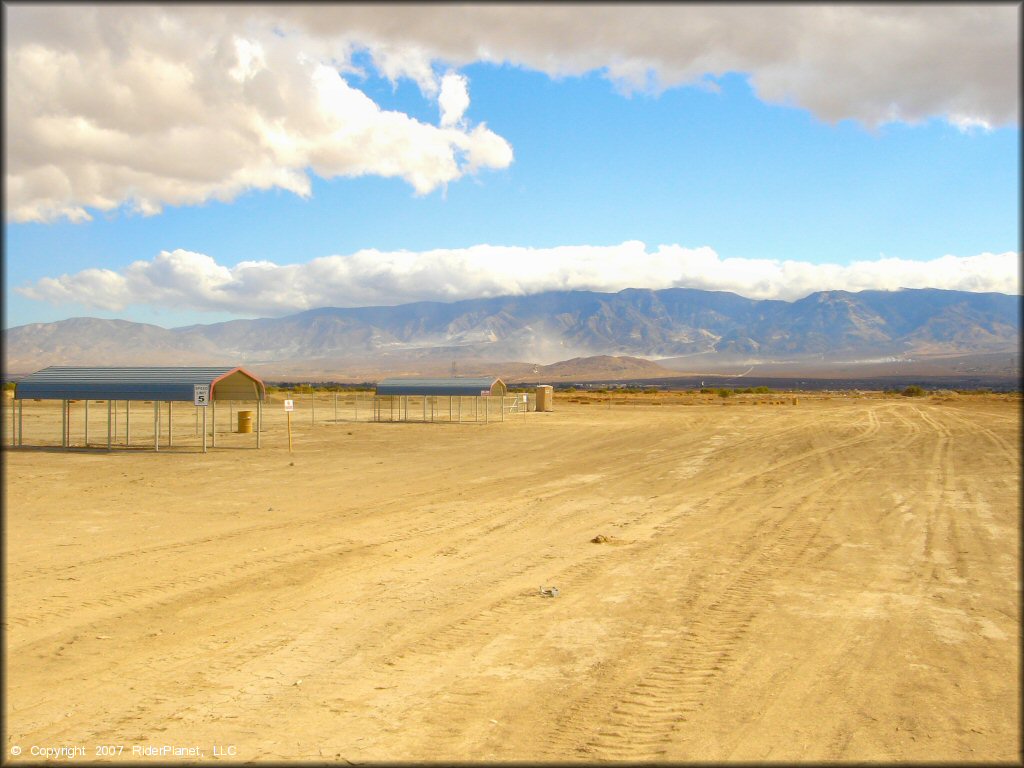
124, 383
454, 387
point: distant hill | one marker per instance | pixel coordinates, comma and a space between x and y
547, 328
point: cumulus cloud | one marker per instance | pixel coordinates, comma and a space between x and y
184, 279
874, 63
149, 105
144, 107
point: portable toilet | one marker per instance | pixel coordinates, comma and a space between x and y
545, 396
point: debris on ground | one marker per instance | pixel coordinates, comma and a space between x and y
548, 591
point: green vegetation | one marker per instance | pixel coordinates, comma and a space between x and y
913, 391
724, 392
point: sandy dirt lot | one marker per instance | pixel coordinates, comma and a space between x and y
832, 580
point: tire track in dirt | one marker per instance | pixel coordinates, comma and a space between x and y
639, 722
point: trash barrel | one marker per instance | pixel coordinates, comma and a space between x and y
245, 421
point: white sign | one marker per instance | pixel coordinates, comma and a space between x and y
525, 398
201, 394
485, 393
289, 405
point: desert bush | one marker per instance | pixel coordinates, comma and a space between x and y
706, 391
724, 392
913, 391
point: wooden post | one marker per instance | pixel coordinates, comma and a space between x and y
335, 406
110, 435
127, 422
312, 408
168, 423
156, 425
213, 418
14, 422
259, 421
87, 422
63, 423
204, 430
289, 431
21, 422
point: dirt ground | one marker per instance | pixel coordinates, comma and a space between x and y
832, 580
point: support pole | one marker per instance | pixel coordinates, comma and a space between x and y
127, 423
460, 409
14, 422
213, 418
110, 434
21, 422
423, 402
63, 423
312, 407
156, 425
204, 430
259, 421
196, 409
87, 423
168, 423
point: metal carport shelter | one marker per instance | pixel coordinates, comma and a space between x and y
150, 383
455, 387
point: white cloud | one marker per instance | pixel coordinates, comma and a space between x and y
145, 107
869, 62
453, 99
153, 105
184, 279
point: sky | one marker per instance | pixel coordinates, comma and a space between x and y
174, 164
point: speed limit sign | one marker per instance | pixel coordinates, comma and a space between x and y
289, 405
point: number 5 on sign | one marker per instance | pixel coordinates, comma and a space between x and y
289, 406
201, 394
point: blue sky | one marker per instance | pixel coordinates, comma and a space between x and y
583, 179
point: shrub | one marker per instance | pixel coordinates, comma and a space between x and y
725, 393
913, 391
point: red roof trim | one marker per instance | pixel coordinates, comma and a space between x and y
259, 382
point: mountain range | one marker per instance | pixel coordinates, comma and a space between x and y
670, 325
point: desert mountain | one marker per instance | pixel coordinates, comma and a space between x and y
546, 328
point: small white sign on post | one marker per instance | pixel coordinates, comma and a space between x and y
289, 405
201, 394
485, 393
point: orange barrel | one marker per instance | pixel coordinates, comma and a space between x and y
245, 421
